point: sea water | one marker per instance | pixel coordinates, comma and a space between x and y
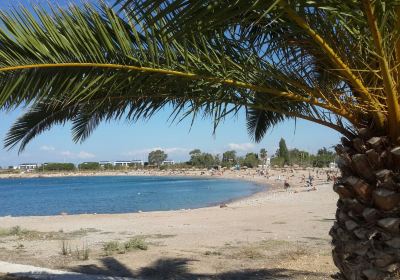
115, 194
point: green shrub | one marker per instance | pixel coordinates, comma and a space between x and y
135, 243
111, 247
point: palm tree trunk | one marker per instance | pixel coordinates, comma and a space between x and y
366, 234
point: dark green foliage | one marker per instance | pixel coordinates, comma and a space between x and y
157, 157
250, 160
57, 167
89, 166
259, 121
324, 157
305, 159
195, 152
108, 166
299, 157
203, 160
229, 158
283, 152
277, 161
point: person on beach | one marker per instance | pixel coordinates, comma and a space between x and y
309, 182
286, 185
310, 179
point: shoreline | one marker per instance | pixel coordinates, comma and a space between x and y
259, 187
271, 230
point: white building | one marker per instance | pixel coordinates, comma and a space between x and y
123, 163
168, 162
267, 164
137, 162
27, 166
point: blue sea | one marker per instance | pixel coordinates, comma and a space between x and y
115, 194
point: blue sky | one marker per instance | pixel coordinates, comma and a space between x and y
121, 140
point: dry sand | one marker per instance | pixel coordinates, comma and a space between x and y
273, 234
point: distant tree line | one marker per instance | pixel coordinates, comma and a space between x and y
229, 159
89, 166
284, 156
58, 167
198, 159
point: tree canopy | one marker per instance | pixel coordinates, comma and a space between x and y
283, 151
89, 166
57, 166
157, 157
250, 160
263, 154
328, 63
229, 158
204, 160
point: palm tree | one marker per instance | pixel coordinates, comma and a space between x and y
335, 63
263, 156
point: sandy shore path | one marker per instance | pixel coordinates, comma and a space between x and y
275, 215
273, 233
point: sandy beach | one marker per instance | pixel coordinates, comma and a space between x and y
273, 234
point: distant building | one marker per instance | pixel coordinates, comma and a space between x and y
137, 162
168, 162
120, 163
27, 166
267, 164
333, 165
104, 162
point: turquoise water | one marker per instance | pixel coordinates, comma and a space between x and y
114, 194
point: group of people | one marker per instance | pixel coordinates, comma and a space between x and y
309, 181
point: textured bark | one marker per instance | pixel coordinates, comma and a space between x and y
366, 234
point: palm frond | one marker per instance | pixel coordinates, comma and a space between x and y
37, 120
92, 64
259, 121
300, 60
330, 44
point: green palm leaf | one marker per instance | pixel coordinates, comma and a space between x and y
110, 67
78, 56
329, 45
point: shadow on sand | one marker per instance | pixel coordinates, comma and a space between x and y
172, 269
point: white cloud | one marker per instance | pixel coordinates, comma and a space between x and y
243, 147
47, 148
80, 155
